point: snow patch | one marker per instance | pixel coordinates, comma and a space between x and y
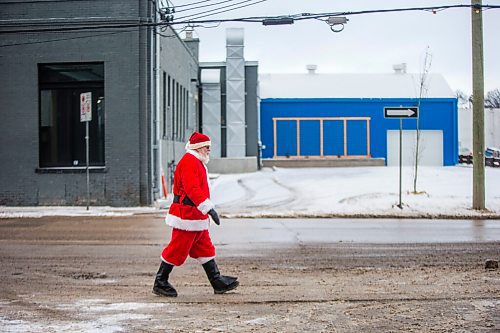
96, 315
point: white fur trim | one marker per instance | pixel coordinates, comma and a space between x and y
197, 145
188, 225
166, 262
194, 153
204, 260
205, 206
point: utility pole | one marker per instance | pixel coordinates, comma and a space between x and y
477, 106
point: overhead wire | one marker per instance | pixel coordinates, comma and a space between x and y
67, 38
176, 33
307, 16
193, 3
220, 10
204, 6
378, 11
227, 10
254, 19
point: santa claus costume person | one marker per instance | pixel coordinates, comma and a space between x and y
189, 218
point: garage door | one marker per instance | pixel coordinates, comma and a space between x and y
430, 148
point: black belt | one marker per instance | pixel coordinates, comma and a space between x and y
186, 200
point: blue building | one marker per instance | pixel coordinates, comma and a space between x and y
322, 116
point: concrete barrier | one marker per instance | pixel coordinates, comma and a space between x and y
323, 163
233, 165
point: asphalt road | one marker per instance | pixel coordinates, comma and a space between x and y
95, 274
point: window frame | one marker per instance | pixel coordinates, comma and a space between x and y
48, 85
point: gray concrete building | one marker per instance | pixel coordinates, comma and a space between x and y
143, 82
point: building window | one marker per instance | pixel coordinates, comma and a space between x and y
186, 109
177, 105
164, 123
181, 123
169, 104
172, 110
61, 134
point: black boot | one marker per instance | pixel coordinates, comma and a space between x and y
220, 283
162, 287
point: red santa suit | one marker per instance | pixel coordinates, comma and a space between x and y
188, 217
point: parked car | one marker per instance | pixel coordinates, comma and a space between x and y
492, 152
491, 156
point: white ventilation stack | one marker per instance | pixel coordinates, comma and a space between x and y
400, 68
311, 69
235, 93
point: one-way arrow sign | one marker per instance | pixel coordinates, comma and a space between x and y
401, 112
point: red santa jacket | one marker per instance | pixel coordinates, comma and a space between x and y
190, 179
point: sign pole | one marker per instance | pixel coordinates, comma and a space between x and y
407, 112
400, 205
86, 116
87, 161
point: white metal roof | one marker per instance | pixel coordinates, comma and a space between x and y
390, 85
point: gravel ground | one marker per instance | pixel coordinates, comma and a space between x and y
90, 274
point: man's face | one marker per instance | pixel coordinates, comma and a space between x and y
205, 150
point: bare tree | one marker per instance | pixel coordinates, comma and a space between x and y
422, 93
492, 100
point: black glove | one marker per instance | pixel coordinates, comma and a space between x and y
214, 216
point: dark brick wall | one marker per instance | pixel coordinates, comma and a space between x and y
124, 182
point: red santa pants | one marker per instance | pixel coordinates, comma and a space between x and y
196, 244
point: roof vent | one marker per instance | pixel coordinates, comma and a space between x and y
400, 68
311, 69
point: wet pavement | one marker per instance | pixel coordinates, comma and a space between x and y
238, 232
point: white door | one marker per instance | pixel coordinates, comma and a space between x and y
430, 147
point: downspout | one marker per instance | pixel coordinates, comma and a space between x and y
155, 110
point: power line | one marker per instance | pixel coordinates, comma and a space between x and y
83, 27
377, 11
255, 19
227, 10
204, 6
308, 16
193, 3
175, 34
66, 38
202, 14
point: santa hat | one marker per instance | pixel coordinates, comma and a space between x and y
198, 140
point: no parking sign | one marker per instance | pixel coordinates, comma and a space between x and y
86, 106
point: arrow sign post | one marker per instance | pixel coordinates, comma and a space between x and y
401, 113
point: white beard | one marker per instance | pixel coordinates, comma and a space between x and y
205, 158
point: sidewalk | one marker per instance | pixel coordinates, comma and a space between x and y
371, 192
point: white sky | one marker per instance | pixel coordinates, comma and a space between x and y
370, 43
